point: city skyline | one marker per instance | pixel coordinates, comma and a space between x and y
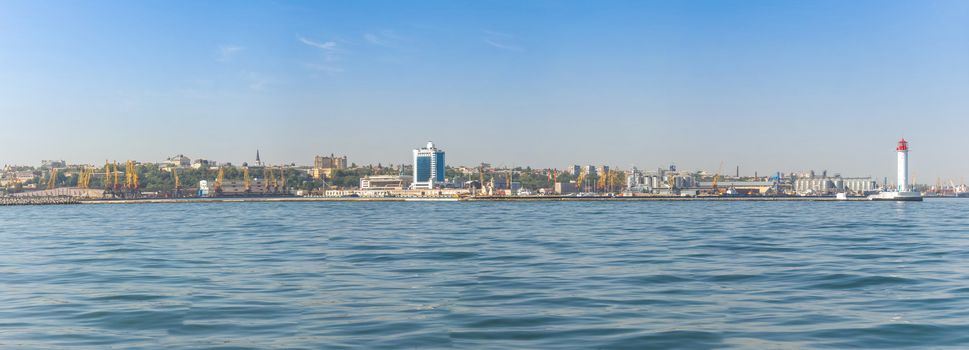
431, 151
770, 86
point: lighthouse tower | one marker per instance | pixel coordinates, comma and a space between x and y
903, 192
902, 151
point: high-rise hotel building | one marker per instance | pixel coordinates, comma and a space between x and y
428, 167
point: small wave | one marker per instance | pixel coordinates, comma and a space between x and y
843, 281
895, 335
670, 340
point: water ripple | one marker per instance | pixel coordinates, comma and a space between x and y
687, 275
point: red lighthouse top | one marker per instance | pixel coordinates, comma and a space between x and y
902, 145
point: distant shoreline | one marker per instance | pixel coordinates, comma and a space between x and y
465, 199
69, 201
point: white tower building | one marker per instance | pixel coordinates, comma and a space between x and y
428, 167
902, 151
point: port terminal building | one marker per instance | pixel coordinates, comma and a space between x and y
831, 185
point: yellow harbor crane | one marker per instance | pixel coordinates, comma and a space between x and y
107, 175
282, 178
127, 175
88, 172
80, 177
84, 178
131, 176
716, 179
178, 185
267, 174
52, 181
117, 176
218, 180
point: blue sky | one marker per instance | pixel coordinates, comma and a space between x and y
767, 85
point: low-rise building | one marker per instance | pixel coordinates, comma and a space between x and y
203, 164
53, 164
257, 186
566, 188
831, 185
385, 182
745, 187
813, 186
856, 185
179, 161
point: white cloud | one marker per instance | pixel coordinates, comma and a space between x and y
502, 46
227, 52
329, 45
255, 81
387, 38
501, 41
331, 53
374, 39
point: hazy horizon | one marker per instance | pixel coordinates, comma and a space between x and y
766, 85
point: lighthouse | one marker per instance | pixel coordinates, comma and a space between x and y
903, 192
902, 151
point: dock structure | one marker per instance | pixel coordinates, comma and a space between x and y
54, 200
465, 199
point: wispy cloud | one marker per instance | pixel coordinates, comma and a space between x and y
331, 54
387, 38
327, 45
227, 52
374, 39
502, 41
255, 81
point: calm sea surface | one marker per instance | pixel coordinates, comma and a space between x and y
486, 275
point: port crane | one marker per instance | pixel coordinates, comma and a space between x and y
107, 176
178, 184
580, 180
218, 180
246, 182
282, 179
52, 181
84, 178
716, 179
131, 177
117, 177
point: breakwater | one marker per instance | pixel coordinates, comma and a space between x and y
56, 200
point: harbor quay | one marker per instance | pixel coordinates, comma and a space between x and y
460, 199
